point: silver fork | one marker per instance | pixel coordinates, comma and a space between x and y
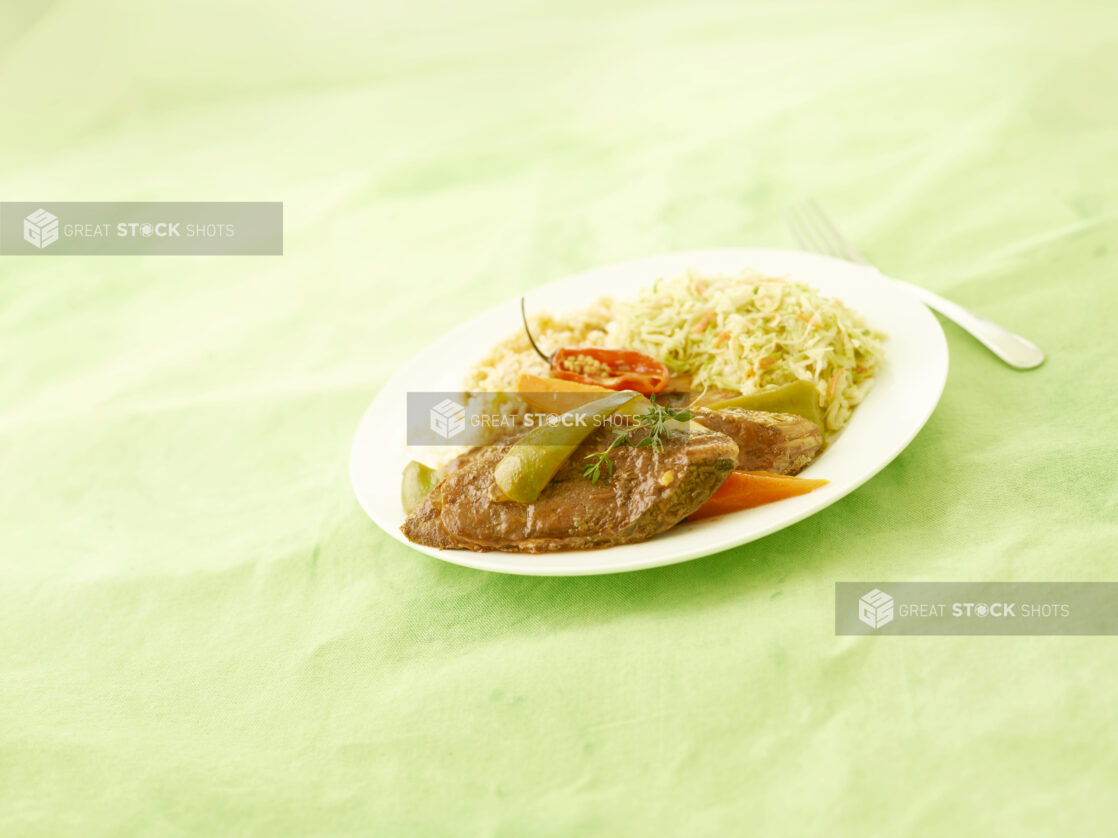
814, 231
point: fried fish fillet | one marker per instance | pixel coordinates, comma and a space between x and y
782, 443
650, 491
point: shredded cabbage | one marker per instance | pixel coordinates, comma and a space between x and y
751, 332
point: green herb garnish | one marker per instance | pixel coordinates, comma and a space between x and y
655, 421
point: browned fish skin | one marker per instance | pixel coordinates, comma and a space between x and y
641, 499
781, 443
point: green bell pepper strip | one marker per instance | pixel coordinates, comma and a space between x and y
798, 398
418, 482
528, 466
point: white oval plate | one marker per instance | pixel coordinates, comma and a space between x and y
905, 394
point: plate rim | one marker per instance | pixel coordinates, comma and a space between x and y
499, 562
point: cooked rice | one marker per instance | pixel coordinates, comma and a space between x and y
500, 370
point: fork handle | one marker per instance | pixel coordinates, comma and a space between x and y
1011, 348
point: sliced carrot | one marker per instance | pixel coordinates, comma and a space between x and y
555, 395
539, 384
746, 489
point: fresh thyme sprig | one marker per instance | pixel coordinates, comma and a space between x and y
655, 421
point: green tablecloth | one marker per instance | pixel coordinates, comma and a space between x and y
202, 634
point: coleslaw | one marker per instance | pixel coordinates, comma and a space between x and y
752, 332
